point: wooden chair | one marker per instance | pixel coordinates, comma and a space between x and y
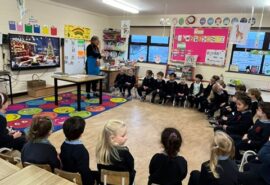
43, 166
73, 177
10, 155
114, 178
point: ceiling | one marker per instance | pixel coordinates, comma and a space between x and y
154, 7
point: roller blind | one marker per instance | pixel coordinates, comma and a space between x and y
150, 31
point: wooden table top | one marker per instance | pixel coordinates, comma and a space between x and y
80, 78
7, 169
32, 175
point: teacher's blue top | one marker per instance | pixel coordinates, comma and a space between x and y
93, 54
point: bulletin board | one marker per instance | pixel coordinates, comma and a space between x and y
74, 56
77, 32
209, 44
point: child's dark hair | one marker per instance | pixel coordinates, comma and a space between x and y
160, 73
73, 127
256, 92
244, 98
199, 76
3, 99
241, 88
216, 77
40, 128
265, 106
172, 141
149, 72
172, 75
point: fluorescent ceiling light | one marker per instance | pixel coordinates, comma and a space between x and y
122, 5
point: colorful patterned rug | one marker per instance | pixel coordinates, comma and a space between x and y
19, 116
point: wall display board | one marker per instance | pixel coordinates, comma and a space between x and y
77, 32
74, 54
206, 43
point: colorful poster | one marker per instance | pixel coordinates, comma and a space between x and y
74, 56
77, 32
53, 31
36, 28
28, 28
215, 57
45, 30
125, 28
239, 33
196, 41
12, 25
20, 27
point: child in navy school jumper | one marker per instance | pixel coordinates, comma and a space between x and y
255, 95
119, 81
8, 137
38, 149
195, 91
203, 100
147, 85
258, 134
241, 121
168, 167
181, 92
257, 172
130, 81
159, 87
170, 88
220, 98
74, 155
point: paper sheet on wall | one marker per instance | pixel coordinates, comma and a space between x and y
239, 33
74, 56
125, 28
215, 57
77, 32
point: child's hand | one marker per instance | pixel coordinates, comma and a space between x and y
17, 134
157, 90
221, 105
245, 137
224, 118
145, 87
224, 127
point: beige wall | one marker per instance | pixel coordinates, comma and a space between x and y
46, 13
207, 71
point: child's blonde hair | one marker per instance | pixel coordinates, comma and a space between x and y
106, 149
222, 145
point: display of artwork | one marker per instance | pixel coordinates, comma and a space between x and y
74, 56
197, 41
36, 28
125, 28
77, 32
254, 40
239, 33
181, 71
31, 52
266, 65
45, 30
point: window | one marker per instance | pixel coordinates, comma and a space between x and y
253, 57
151, 49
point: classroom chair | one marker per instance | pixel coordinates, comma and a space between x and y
43, 166
73, 177
10, 155
114, 178
245, 159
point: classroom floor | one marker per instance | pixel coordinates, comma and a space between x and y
145, 122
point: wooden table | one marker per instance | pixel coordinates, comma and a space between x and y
32, 175
7, 169
78, 80
110, 77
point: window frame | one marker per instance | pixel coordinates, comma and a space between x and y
148, 44
265, 47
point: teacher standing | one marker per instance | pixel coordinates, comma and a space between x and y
93, 64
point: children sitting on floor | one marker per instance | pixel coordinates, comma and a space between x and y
258, 134
170, 88
38, 149
74, 155
9, 138
203, 100
168, 167
159, 87
147, 85
119, 81
220, 98
239, 123
221, 169
130, 81
181, 92
111, 152
255, 95
195, 91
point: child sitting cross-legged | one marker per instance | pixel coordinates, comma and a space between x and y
181, 92
158, 88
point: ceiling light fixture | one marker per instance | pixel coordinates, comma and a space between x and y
122, 5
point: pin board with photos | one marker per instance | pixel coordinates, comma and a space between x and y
181, 71
208, 44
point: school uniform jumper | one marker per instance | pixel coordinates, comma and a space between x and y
148, 82
165, 170
195, 91
159, 87
219, 98
170, 90
182, 89
119, 82
203, 102
129, 83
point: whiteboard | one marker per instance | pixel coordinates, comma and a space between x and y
74, 56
